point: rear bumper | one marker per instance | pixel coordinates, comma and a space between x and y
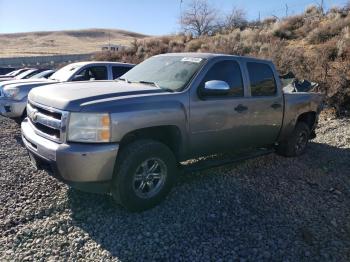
88, 167
12, 108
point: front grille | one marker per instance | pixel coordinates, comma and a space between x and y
47, 122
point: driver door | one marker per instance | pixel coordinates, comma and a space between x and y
91, 73
219, 123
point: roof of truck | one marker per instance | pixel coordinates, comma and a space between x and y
100, 62
212, 55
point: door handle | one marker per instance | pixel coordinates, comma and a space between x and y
276, 105
241, 108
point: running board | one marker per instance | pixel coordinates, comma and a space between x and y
218, 161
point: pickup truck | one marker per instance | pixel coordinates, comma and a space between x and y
13, 98
127, 137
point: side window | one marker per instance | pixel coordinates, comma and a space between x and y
262, 80
119, 71
99, 72
228, 71
94, 72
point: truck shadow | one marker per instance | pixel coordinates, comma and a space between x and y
270, 205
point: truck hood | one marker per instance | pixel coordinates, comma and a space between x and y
5, 79
72, 96
18, 82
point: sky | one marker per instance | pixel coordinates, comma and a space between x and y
152, 17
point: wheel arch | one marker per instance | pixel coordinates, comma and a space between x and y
170, 135
309, 118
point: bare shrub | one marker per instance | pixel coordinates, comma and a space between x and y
199, 18
285, 29
343, 43
328, 30
313, 10
194, 45
237, 18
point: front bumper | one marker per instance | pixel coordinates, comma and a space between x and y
83, 166
12, 108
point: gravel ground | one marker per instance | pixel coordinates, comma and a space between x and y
269, 208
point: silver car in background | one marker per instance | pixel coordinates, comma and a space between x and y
13, 97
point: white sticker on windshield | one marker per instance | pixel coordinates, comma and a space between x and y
191, 59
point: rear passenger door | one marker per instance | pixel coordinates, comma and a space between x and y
264, 103
118, 71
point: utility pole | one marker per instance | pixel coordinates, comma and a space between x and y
259, 17
321, 7
286, 10
181, 1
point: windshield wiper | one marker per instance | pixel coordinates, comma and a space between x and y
149, 83
156, 85
123, 79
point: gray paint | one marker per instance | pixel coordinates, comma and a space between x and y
206, 126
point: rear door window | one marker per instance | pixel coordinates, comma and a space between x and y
262, 80
119, 71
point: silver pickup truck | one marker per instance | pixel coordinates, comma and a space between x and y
13, 96
127, 136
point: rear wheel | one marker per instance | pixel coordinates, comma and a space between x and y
144, 174
296, 144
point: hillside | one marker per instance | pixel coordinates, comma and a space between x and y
313, 45
62, 42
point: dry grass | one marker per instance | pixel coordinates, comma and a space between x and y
312, 45
62, 42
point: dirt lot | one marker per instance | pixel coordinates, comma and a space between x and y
269, 208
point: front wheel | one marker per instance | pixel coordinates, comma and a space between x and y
144, 174
296, 144
19, 120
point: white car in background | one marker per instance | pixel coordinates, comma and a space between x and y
24, 75
34, 78
14, 73
13, 97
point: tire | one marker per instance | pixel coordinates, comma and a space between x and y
141, 165
296, 144
20, 119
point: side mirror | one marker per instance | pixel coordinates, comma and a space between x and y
78, 78
215, 87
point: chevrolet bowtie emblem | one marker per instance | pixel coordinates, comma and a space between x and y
34, 115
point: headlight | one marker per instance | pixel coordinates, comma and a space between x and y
10, 91
89, 127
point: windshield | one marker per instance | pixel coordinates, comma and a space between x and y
13, 73
65, 72
41, 74
166, 72
25, 74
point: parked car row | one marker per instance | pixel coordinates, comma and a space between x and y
127, 136
14, 91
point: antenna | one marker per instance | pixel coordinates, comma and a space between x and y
181, 1
321, 5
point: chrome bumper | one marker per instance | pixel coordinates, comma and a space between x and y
12, 108
73, 162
